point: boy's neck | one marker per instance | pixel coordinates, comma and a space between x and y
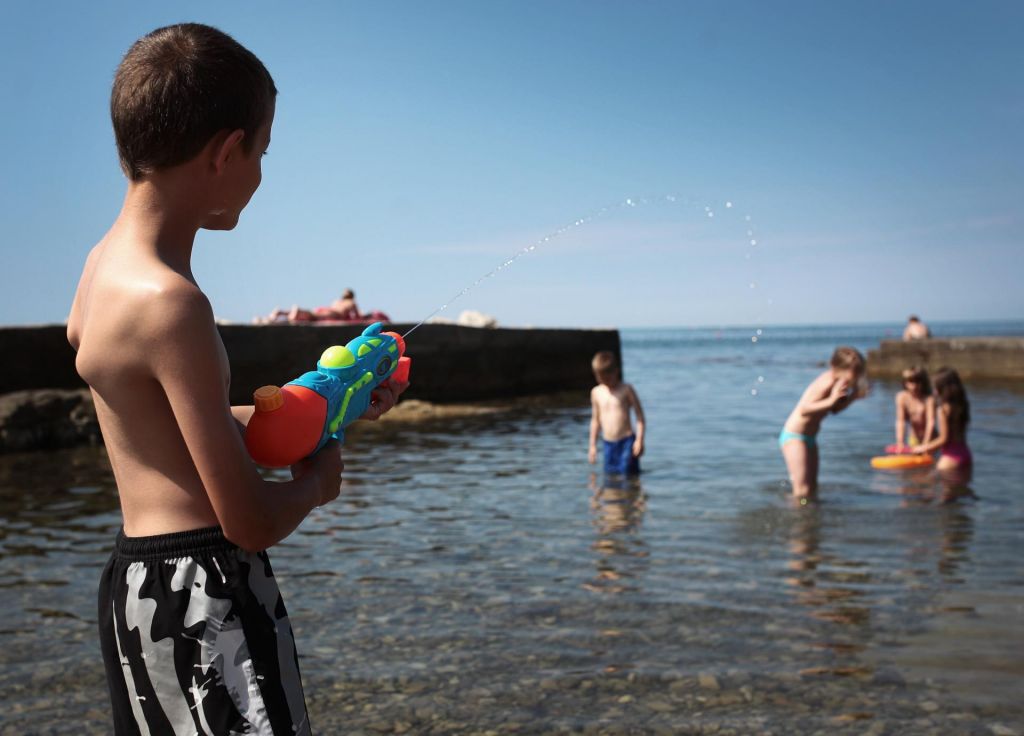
157, 214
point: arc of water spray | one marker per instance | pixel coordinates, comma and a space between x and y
628, 202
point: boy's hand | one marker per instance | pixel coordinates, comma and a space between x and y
592, 455
638, 447
840, 389
384, 399
326, 467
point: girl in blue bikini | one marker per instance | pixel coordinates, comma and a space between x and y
829, 393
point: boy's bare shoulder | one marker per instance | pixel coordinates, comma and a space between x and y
129, 312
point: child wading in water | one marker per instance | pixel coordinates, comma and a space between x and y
193, 631
611, 402
831, 392
954, 414
915, 404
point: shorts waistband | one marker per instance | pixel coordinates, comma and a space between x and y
175, 544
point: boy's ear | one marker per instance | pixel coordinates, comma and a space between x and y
226, 145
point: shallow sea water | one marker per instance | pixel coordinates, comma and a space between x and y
475, 576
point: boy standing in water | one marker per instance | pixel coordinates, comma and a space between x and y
611, 401
194, 634
829, 393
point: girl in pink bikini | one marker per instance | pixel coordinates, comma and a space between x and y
954, 413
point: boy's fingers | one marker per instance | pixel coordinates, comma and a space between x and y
396, 387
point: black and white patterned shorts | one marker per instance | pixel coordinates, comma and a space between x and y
196, 639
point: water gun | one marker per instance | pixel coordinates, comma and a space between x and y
295, 420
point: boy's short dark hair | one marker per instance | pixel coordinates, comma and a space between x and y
179, 86
605, 363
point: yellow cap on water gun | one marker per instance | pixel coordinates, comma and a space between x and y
267, 399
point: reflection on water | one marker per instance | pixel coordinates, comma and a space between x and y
617, 505
474, 575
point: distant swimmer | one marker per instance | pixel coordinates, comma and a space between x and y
916, 329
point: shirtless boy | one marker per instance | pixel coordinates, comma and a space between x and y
915, 405
611, 402
193, 630
829, 393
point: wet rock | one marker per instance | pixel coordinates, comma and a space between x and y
708, 681
47, 419
888, 677
999, 729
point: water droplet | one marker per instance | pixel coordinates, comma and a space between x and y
750, 233
753, 242
760, 379
728, 205
630, 203
753, 392
753, 339
670, 198
711, 214
759, 332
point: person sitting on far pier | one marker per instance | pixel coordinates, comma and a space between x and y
916, 329
343, 309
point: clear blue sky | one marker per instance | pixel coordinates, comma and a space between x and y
877, 146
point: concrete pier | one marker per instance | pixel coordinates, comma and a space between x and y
998, 358
450, 364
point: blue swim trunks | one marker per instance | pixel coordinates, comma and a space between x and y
618, 457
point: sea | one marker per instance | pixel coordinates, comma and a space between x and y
478, 576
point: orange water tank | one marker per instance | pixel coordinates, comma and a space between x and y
286, 426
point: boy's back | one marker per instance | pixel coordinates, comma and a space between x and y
130, 313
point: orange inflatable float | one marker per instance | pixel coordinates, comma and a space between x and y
901, 462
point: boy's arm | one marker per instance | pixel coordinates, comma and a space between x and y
242, 415
638, 444
255, 514
901, 420
595, 426
942, 437
929, 418
832, 396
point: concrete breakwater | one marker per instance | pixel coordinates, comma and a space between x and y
997, 358
451, 364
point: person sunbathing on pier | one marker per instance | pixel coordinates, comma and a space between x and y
342, 309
